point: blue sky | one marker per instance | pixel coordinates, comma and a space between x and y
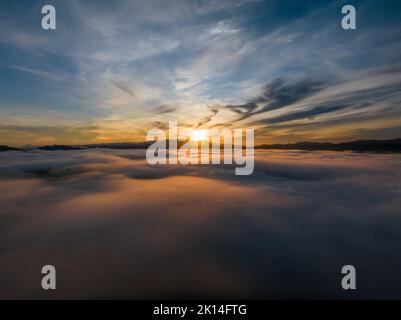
113, 69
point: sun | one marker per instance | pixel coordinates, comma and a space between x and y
199, 135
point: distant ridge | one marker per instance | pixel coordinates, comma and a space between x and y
391, 145
7, 148
121, 145
55, 147
60, 147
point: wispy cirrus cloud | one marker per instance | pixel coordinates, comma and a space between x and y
41, 73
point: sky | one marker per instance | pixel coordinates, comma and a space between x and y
114, 69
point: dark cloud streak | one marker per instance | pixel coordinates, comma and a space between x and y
277, 94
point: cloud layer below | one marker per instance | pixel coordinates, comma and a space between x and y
116, 227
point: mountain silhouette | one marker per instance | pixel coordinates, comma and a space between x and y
7, 148
391, 145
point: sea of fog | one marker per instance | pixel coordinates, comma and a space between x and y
116, 227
